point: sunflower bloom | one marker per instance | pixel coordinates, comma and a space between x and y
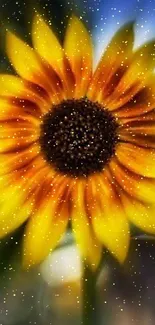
77, 145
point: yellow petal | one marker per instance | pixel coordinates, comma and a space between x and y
13, 161
137, 102
141, 67
49, 49
21, 110
137, 159
18, 195
113, 64
46, 43
16, 134
149, 117
16, 130
138, 187
78, 48
10, 145
10, 111
14, 209
139, 130
112, 230
12, 86
137, 76
82, 227
108, 218
22, 56
142, 134
140, 214
46, 227
25, 61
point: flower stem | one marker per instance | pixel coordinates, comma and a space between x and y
90, 316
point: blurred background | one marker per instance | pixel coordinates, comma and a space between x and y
51, 293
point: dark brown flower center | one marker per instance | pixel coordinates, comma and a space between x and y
78, 137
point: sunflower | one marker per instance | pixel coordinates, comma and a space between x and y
77, 145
